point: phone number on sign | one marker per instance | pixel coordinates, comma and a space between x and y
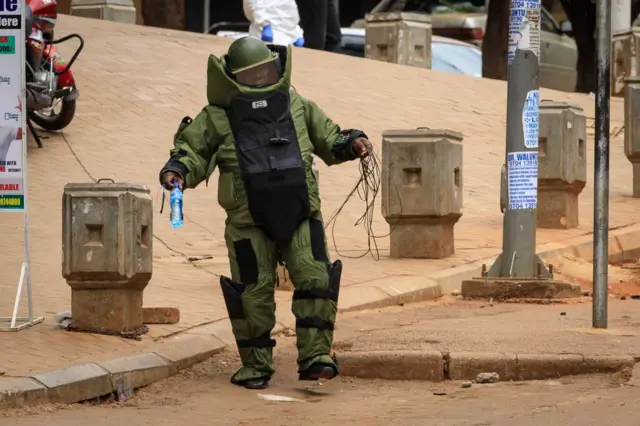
10, 202
522, 206
523, 163
525, 4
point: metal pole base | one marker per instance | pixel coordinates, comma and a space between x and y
492, 286
542, 272
518, 288
26, 323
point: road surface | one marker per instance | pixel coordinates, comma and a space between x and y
203, 396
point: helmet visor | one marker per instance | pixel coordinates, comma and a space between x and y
261, 75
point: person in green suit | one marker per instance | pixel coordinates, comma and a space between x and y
262, 136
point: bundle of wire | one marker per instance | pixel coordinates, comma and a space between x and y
367, 188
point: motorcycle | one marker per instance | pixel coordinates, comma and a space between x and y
51, 88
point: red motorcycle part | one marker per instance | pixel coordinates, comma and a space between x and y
59, 64
45, 13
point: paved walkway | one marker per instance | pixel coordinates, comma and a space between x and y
136, 84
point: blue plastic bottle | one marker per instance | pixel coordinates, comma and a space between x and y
267, 34
176, 207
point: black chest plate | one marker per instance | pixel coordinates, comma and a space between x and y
271, 163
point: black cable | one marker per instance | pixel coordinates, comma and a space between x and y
367, 188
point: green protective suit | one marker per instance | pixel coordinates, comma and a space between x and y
207, 142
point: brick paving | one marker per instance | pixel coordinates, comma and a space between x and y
136, 83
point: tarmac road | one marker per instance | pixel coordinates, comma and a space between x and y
203, 396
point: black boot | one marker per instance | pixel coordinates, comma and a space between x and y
254, 384
318, 371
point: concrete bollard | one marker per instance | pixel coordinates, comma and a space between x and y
632, 128
562, 164
625, 52
107, 247
399, 37
422, 191
284, 283
122, 11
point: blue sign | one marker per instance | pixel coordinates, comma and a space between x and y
524, 27
522, 175
530, 117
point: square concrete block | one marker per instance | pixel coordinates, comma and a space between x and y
632, 128
562, 156
107, 253
160, 315
133, 372
399, 37
122, 11
16, 392
422, 191
625, 59
75, 383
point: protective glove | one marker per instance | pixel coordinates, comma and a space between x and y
267, 34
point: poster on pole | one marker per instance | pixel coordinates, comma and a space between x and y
522, 176
524, 27
12, 147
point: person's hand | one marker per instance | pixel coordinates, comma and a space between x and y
362, 147
168, 178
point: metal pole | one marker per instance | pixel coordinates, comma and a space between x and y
518, 258
601, 186
206, 14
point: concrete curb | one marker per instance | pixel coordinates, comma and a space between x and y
122, 375
624, 244
436, 366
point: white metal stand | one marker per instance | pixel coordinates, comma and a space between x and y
25, 322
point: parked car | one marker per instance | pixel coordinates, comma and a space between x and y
558, 51
447, 54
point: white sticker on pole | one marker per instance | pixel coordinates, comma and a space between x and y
524, 27
522, 175
11, 102
530, 114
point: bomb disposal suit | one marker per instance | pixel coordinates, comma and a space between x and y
262, 136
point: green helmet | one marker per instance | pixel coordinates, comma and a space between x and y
248, 52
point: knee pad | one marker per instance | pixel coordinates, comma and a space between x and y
334, 271
232, 293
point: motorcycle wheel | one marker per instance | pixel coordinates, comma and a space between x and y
58, 117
